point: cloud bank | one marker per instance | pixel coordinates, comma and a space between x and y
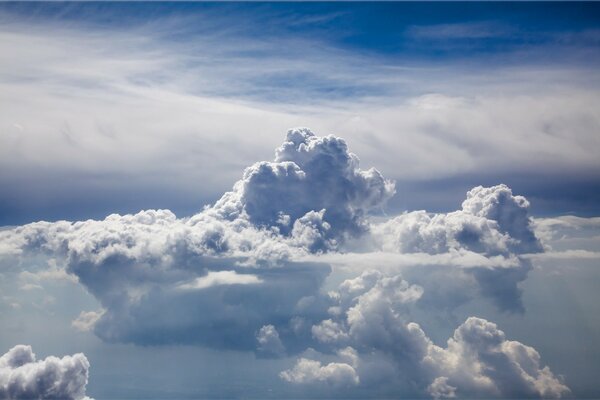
478, 360
250, 273
23, 377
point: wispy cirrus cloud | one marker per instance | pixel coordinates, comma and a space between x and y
101, 91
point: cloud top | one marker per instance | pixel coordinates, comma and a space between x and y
313, 180
22, 377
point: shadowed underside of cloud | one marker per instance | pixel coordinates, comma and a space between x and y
22, 377
236, 275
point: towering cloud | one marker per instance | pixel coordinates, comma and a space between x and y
313, 180
22, 377
247, 273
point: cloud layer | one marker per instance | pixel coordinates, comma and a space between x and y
23, 377
250, 273
478, 360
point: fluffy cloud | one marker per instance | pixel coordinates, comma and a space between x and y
268, 341
248, 273
314, 183
310, 371
478, 360
492, 221
232, 261
22, 377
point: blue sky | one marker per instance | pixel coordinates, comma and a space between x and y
432, 232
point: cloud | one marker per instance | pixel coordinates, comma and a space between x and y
478, 360
439, 389
237, 266
86, 320
22, 377
314, 189
492, 222
310, 372
269, 342
250, 273
568, 233
236, 255
215, 278
152, 105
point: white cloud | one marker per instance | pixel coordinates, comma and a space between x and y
316, 183
310, 372
478, 360
249, 273
215, 278
22, 377
329, 331
492, 221
269, 342
439, 389
86, 320
129, 83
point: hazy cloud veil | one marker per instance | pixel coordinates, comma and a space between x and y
255, 272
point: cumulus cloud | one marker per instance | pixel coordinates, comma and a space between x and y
310, 372
22, 377
492, 222
313, 188
269, 342
249, 273
236, 255
477, 361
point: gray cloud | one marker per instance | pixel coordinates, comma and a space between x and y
477, 361
249, 273
233, 261
492, 222
421, 122
314, 190
23, 377
269, 342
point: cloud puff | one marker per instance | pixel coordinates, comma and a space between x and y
216, 278
492, 221
310, 372
268, 341
478, 360
86, 320
313, 180
22, 377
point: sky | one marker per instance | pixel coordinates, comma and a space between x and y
299, 200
